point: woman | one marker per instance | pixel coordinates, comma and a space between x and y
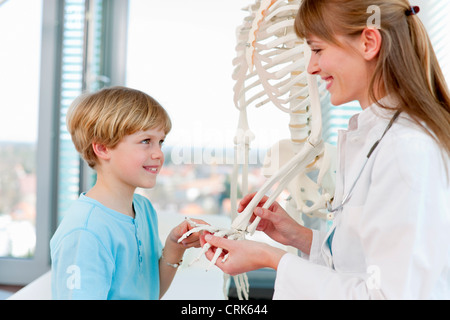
390, 237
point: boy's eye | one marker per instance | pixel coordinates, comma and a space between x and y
316, 51
148, 141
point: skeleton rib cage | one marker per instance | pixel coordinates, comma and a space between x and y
270, 68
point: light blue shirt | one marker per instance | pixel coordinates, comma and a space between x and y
99, 253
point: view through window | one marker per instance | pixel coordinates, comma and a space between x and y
19, 102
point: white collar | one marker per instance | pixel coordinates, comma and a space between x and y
374, 113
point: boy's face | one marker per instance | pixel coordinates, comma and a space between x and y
137, 159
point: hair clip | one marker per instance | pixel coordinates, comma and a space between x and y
412, 11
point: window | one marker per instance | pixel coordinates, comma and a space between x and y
88, 52
336, 118
18, 142
20, 212
71, 87
41, 173
434, 15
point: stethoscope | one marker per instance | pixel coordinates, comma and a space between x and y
375, 145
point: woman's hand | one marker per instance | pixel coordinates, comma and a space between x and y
279, 225
243, 255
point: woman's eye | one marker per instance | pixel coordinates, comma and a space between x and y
316, 51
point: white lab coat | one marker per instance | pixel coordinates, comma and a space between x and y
392, 239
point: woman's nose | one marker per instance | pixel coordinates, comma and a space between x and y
313, 66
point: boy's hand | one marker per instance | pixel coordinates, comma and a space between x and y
192, 241
173, 252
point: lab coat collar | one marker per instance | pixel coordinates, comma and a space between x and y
373, 113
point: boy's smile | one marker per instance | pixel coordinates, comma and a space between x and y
152, 169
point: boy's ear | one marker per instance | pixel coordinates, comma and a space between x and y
371, 43
101, 151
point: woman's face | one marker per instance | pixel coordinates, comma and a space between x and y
345, 69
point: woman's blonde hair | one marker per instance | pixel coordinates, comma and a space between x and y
407, 64
106, 116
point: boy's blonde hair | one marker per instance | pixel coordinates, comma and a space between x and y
108, 115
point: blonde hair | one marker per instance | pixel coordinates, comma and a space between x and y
106, 116
407, 64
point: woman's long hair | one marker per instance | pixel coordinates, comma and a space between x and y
407, 64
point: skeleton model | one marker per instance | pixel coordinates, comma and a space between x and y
270, 67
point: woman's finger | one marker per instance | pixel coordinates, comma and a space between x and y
246, 200
218, 242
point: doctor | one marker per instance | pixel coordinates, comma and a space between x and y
391, 234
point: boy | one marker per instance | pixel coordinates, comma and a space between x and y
107, 246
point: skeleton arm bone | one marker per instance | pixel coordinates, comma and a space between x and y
285, 180
302, 159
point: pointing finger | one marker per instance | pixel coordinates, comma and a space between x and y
218, 242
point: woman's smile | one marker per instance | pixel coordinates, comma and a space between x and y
329, 81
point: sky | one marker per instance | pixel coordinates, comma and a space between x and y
20, 38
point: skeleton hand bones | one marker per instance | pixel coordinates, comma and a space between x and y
275, 222
231, 234
241, 261
245, 255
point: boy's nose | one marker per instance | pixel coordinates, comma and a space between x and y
157, 153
